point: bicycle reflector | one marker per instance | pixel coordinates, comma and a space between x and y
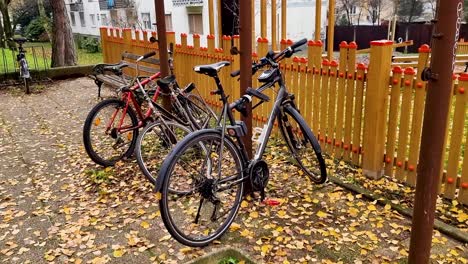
240, 129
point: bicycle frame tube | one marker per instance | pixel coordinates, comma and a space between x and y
271, 121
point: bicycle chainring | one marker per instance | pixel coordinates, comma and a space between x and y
259, 175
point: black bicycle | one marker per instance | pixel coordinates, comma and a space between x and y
202, 180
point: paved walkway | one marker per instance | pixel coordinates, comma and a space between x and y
53, 207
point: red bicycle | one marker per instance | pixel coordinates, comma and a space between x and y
111, 128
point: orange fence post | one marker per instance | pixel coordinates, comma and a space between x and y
404, 127
341, 98
358, 111
349, 101
416, 127
456, 137
393, 120
375, 108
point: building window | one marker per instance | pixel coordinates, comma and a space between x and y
195, 24
82, 19
146, 17
353, 10
72, 18
93, 19
168, 19
104, 21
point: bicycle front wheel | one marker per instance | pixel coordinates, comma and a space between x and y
202, 187
302, 144
105, 140
154, 143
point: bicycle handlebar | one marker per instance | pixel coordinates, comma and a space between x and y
288, 52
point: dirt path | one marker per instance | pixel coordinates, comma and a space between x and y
53, 207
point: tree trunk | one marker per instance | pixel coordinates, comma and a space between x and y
63, 46
2, 37
7, 29
44, 18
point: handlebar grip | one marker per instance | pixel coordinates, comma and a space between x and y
147, 55
299, 43
235, 73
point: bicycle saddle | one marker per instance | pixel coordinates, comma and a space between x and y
165, 82
19, 40
211, 69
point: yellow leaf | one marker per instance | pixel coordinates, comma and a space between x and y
118, 253
49, 257
253, 214
145, 224
244, 204
281, 213
234, 227
322, 214
265, 249
157, 196
185, 250
363, 252
387, 207
371, 207
97, 121
353, 212
245, 233
66, 210
315, 201
453, 252
162, 256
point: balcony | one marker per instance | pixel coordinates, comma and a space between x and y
116, 4
187, 2
76, 6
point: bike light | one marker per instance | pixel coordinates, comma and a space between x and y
231, 132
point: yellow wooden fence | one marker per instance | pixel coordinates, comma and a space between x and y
368, 115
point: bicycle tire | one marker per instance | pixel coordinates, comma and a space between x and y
196, 104
147, 145
287, 131
88, 125
198, 141
27, 85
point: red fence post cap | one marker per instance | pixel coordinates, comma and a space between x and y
325, 62
361, 66
304, 60
424, 49
310, 43
397, 69
410, 71
463, 77
352, 45
382, 42
334, 63
343, 44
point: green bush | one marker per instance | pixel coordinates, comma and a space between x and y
91, 45
35, 29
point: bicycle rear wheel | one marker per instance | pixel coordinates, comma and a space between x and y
200, 112
302, 144
156, 140
103, 141
202, 188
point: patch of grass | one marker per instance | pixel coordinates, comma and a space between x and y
39, 56
229, 260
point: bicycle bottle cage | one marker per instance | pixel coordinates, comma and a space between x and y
239, 129
268, 75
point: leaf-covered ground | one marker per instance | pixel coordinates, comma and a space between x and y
57, 206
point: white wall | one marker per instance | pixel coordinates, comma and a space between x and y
300, 18
88, 8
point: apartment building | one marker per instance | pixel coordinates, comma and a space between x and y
188, 16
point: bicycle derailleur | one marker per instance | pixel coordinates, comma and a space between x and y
259, 175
